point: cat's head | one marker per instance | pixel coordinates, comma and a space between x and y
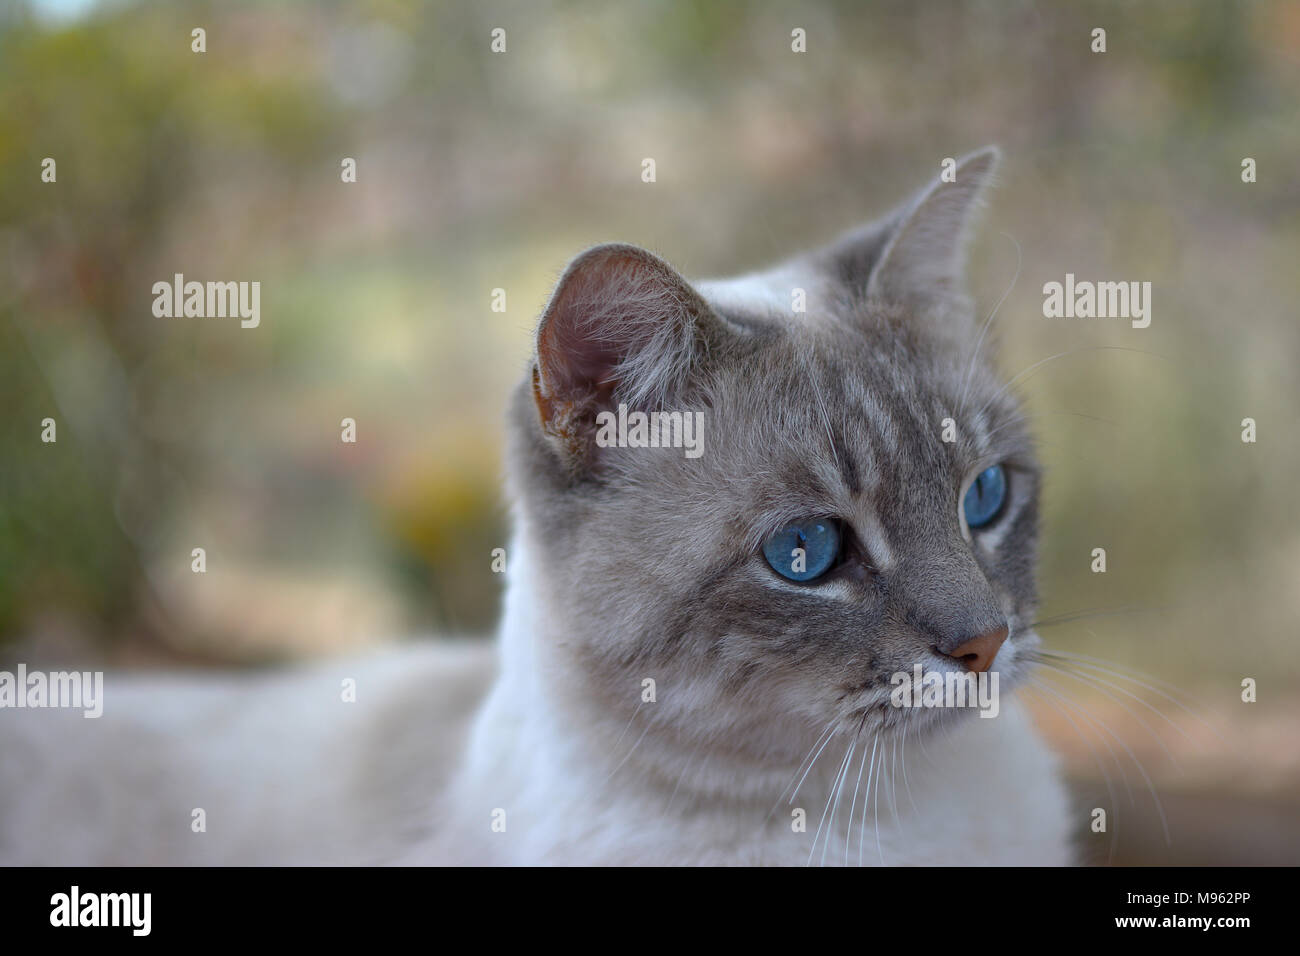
828, 529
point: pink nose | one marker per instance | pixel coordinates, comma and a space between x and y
978, 653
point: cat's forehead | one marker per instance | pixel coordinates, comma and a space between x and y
804, 304
810, 326
851, 400
788, 297
836, 426
827, 392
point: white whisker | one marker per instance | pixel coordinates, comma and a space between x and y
843, 763
862, 829
1095, 684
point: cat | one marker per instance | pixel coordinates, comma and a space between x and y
699, 658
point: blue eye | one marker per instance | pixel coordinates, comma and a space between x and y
804, 550
985, 497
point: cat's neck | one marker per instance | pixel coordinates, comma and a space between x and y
558, 721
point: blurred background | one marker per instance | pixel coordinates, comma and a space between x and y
478, 171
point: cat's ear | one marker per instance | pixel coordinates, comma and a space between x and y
621, 327
923, 259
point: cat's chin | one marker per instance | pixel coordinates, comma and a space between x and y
887, 720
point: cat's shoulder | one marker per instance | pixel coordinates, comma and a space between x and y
353, 746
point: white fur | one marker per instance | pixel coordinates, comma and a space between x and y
287, 772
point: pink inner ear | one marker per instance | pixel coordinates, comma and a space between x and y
621, 319
604, 309
575, 363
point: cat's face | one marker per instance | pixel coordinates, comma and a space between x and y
860, 423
